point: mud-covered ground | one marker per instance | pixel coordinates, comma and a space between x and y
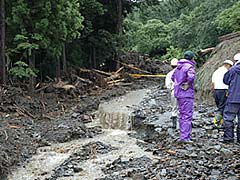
205, 158
152, 150
28, 123
55, 113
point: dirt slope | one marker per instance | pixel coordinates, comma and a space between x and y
225, 50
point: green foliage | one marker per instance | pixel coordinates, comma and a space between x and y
79, 50
130, 35
145, 38
99, 33
46, 24
167, 11
183, 24
37, 31
197, 29
173, 52
25, 45
152, 35
229, 20
88, 28
22, 71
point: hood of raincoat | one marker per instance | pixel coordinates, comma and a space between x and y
184, 62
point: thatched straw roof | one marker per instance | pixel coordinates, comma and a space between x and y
225, 50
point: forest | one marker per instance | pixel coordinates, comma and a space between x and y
45, 38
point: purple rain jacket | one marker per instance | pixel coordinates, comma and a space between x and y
232, 78
184, 73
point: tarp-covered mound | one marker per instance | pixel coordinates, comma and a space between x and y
225, 50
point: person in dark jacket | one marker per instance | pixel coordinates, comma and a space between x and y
220, 89
232, 108
183, 78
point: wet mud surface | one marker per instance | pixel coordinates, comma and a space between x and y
84, 158
63, 120
150, 151
205, 158
71, 165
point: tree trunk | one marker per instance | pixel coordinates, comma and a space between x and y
64, 60
119, 16
119, 28
2, 43
58, 69
90, 57
31, 62
94, 57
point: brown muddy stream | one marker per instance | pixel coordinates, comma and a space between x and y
115, 118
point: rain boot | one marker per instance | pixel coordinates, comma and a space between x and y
174, 122
228, 136
238, 132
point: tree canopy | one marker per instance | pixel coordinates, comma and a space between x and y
187, 24
46, 34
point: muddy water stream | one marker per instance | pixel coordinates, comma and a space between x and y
115, 117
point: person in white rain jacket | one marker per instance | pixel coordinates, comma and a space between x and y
170, 86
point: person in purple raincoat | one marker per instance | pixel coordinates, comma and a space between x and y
232, 108
183, 78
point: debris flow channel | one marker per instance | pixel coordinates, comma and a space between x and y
85, 158
138, 143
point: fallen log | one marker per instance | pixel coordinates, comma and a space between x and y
229, 36
96, 76
112, 77
115, 81
102, 72
84, 70
44, 87
120, 84
50, 79
82, 79
203, 52
147, 75
68, 87
63, 85
23, 111
133, 67
119, 70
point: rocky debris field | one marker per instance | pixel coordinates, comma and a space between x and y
144, 62
205, 158
151, 151
71, 165
57, 111
64, 120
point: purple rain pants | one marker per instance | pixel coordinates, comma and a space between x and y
185, 106
230, 112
